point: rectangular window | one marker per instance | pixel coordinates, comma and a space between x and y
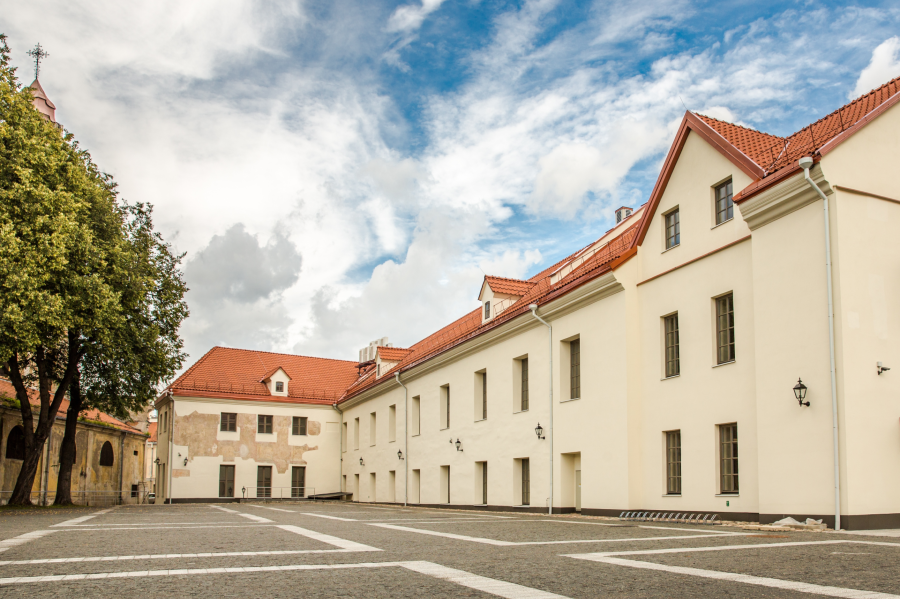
298, 482
673, 229
728, 458
673, 462
134, 491
725, 328
264, 424
445, 407
724, 203
298, 427
526, 482
279, 386
524, 399
484, 395
673, 362
344, 437
392, 423
356, 433
373, 429
574, 369
416, 416
228, 422
263, 482
487, 310
484, 480
226, 481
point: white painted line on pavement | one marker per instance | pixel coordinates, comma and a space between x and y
491, 542
792, 586
152, 525
22, 539
270, 508
712, 548
80, 559
504, 589
463, 578
160, 527
255, 518
222, 508
328, 517
329, 539
75, 521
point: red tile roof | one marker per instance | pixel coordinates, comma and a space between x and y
152, 430
775, 155
8, 391
392, 354
512, 287
540, 291
234, 373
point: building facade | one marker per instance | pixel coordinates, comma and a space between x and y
723, 349
108, 456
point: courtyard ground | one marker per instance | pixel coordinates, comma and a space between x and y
314, 550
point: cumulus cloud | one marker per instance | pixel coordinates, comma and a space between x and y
884, 66
236, 285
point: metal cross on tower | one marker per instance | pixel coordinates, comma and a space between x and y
38, 54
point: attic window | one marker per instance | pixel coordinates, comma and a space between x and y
487, 310
279, 386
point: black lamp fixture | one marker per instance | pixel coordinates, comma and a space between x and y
800, 392
400, 454
157, 462
540, 432
185, 461
458, 445
361, 463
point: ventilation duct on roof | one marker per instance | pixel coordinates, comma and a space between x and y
368, 353
623, 213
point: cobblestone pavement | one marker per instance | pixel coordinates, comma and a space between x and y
314, 550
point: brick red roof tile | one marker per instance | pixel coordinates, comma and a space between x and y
504, 285
234, 373
392, 354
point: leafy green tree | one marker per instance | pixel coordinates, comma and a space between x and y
81, 281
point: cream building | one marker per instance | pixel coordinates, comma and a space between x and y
658, 368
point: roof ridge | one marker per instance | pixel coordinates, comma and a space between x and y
281, 354
510, 279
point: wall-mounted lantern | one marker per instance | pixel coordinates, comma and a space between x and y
185, 461
800, 392
539, 431
458, 445
157, 462
400, 454
361, 463
882, 368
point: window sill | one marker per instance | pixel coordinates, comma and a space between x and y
415, 435
736, 495
443, 429
671, 248
480, 420
671, 377
569, 400
722, 223
671, 495
516, 412
730, 362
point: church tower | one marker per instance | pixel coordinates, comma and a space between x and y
41, 101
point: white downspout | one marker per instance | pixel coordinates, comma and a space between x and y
405, 439
533, 308
341, 448
171, 433
805, 163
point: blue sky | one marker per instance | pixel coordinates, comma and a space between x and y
341, 171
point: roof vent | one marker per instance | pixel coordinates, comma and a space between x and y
368, 353
623, 213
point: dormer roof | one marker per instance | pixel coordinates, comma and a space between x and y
503, 285
391, 354
272, 372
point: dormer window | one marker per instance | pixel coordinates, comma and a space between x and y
279, 386
487, 310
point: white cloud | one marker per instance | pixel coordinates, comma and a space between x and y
409, 17
885, 65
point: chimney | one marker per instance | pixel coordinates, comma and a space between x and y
622, 214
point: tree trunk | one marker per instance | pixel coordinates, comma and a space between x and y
21, 495
67, 448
